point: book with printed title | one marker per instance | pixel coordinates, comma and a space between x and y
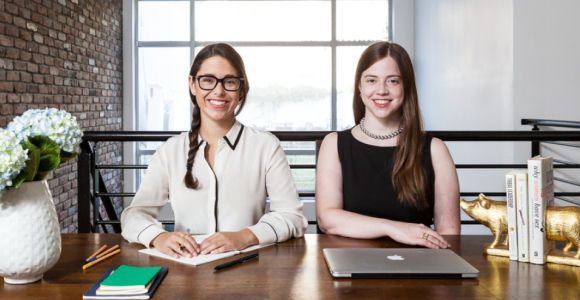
522, 216
541, 195
510, 182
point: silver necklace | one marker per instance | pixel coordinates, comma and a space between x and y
379, 136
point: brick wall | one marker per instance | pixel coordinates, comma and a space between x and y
65, 54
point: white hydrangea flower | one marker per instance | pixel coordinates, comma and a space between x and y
58, 125
12, 158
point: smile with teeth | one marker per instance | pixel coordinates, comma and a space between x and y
382, 101
217, 103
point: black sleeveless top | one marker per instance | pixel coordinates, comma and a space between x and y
367, 187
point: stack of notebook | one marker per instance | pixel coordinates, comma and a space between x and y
127, 282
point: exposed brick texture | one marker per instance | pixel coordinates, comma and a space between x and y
65, 54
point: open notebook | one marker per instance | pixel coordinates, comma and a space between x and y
201, 259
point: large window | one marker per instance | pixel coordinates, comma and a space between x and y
300, 57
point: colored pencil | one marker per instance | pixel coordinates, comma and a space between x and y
96, 252
107, 251
86, 266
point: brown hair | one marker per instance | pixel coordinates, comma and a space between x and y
229, 53
409, 179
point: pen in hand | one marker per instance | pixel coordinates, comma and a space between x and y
236, 261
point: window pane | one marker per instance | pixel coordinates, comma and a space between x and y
299, 146
302, 153
142, 159
301, 159
163, 21
164, 102
262, 21
289, 87
362, 20
304, 179
346, 61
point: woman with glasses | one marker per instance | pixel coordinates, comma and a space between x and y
386, 177
216, 176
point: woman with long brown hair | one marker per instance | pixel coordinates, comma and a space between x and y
386, 176
218, 175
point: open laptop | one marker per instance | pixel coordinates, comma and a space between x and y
397, 263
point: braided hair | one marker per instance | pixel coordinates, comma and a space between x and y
228, 53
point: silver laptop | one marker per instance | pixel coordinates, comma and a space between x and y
397, 263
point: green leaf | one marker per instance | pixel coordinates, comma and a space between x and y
16, 182
31, 168
66, 156
49, 155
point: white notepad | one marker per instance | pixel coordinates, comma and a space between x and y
200, 259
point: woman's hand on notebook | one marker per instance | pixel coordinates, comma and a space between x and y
176, 244
228, 241
416, 234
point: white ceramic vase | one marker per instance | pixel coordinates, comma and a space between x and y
30, 241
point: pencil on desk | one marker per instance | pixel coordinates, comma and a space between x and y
102, 254
107, 251
96, 252
94, 262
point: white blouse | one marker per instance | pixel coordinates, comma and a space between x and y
249, 166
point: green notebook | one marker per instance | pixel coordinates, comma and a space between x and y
129, 277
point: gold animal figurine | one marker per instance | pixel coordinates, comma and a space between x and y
492, 214
561, 224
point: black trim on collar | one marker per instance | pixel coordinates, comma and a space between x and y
200, 143
237, 138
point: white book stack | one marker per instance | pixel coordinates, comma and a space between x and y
510, 187
522, 216
541, 195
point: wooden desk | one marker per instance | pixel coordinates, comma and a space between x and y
296, 270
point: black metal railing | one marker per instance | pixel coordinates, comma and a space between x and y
537, 124
93, 191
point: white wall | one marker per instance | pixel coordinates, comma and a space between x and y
403, 24
547, 59
547, 71
485, 65
463, 59
464, 68
128, 96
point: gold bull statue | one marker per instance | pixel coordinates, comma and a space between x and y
562, 224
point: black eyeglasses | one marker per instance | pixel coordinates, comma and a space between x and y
209, 82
